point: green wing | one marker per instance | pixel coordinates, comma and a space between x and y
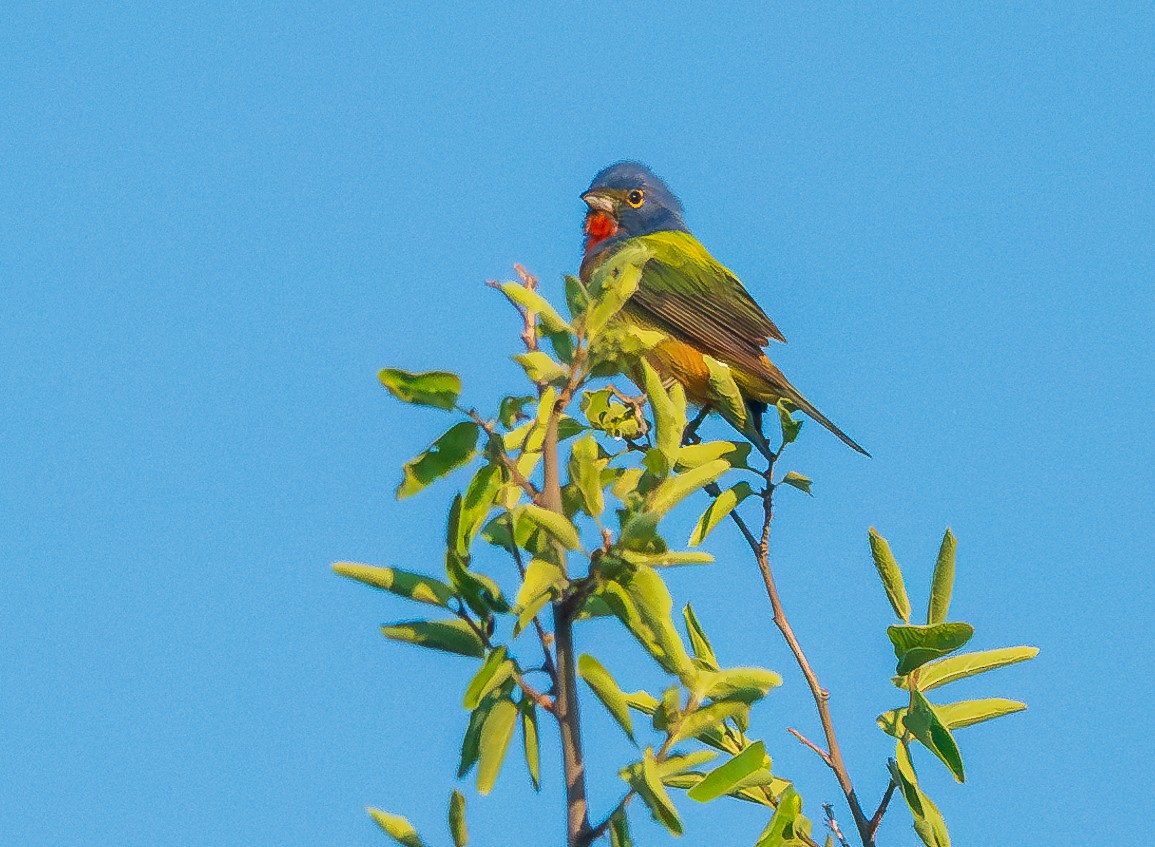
692, 296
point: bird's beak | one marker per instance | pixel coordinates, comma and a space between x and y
599, 202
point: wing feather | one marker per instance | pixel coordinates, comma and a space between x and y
695, 298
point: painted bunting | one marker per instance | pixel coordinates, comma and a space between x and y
685, 293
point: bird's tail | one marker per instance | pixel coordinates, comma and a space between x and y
779, 386
806, 406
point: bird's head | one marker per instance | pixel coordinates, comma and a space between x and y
626, 200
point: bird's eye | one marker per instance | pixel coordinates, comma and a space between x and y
636, 197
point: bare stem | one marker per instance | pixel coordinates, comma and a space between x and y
833, 825
822, 754
566, 704
876, 819
833, 755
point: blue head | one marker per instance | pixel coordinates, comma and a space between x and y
626, 200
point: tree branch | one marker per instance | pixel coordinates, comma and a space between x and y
876, 819
822, 754
761, 549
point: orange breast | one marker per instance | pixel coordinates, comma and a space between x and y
679, 361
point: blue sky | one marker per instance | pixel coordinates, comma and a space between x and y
216, 224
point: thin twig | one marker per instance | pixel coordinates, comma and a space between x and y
833, 825
506, 460
761, 549
822, 754
876, 819
542, 636
543, 700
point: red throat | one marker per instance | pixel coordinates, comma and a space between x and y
598, 227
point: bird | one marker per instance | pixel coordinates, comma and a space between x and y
683, 292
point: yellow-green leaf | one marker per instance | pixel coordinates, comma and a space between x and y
924, 723
719, 508
943, 671
397, 827
943, 580
725, 394
726, 777
439, 389
531, 301
451, 636
530, 741
602, 683
413, 586
914, 646
495, 736
449, 452
556, 525
890, 574
457, 826
540, 368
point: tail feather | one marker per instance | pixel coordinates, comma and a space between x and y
780, 386
806, 406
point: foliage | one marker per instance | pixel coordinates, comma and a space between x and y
572, 482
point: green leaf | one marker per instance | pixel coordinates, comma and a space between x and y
719, 508
612, 284
451, 636
914, 646
790, 426
797, 480
475, 505
576, 296
890, 574
932, 828
723, 779
620, 830
925, 725
531, 301
642, 602
666, 559
495, 670
585, 471
457, 819
943, 671
707, 717
902, 772
969, 712
608, 415
928, 822
471, 741
725, 394
642, 701
703, 650
530, 741
954, 715
556, 525
672, 490
397, 827
607, 691
783, 826
745, 685
449, 452
694, 455
510, 411
439, 389
480, 593
495, 737
943, 580
413, 586
542, 578
669, 414
540, 368
653, 794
